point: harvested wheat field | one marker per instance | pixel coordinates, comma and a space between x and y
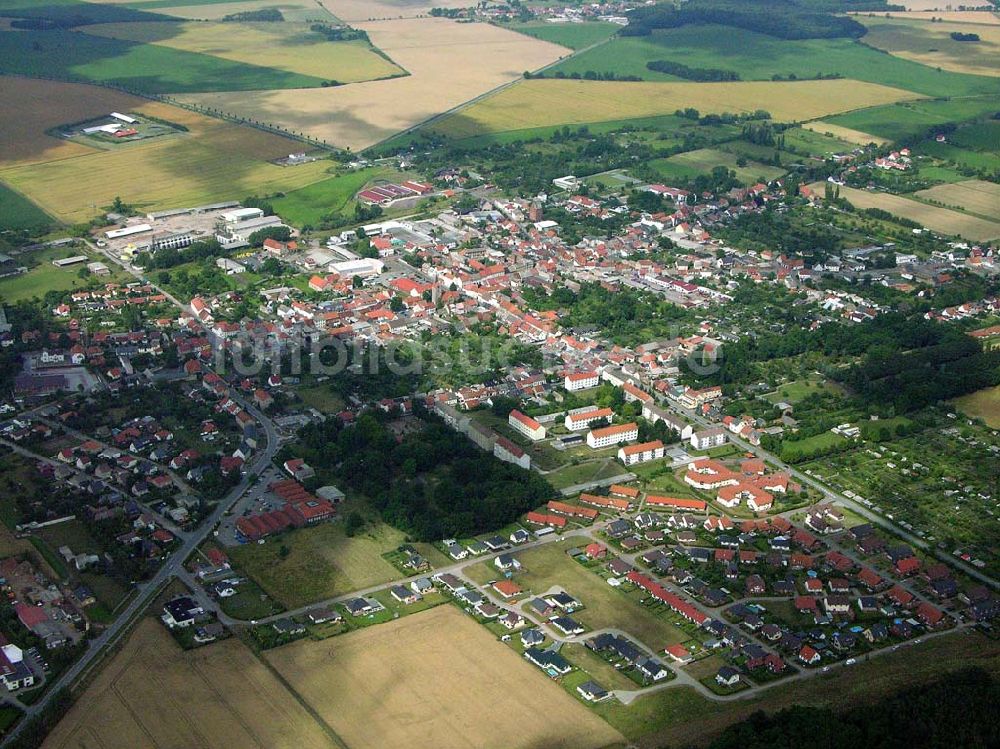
200, 10
974, 195
214, 160
435, 679
31, 107
844, 133
291, 47
351, 11
941, 220
538, 103
449, 64
155, 695
952, 16
931, 44
924, 5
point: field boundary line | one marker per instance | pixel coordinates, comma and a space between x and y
310, 710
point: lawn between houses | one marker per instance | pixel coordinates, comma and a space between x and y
549, 566
312, 564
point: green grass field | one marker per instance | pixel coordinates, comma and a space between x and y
693, 163
759, 57
310, 204
572, 35
17, 212
323, 561
149, 68
983, 404
909, 119
548, 565
815, 144
43, 276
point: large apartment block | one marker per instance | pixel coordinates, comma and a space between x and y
524, 424
612, 435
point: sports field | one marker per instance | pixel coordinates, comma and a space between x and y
537, 103
931, 44
310, 204
759, 57
41, 105
435, 679
152, 695
975, 196
449, 64
690, 164
941, 220
290, 47
983, 404
213, 160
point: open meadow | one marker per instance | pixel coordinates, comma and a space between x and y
323, 561
449, 64
909, 119
931, 44
690, 164
983, 404
974, 196
152, 694
290, 47
570, 35
213, 160
941, 220
537, 103
603, 606
435, 679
